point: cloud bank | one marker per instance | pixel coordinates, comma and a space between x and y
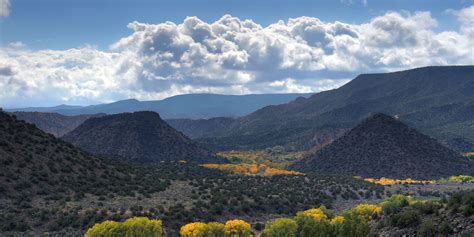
231, 56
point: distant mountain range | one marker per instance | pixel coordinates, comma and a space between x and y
54, 123
192, 106
140, 137
438, 101
382, 146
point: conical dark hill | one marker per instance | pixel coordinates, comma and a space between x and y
382, 146
141, 137
36, 164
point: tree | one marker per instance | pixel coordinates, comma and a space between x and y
282, 227
394, 203
196, 229
356, 220
313, 223
337, 225
216, 229
136, 226
106, 228
237, 228
143, 227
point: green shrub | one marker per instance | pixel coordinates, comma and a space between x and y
408, 218
394, 204
427, 207
282, 227
445, 229
427, 229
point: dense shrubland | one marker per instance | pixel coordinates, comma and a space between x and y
214, 195
397, 212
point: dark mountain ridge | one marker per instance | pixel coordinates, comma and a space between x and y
193, 106
415, 96
140, 137
54, 123
382, 146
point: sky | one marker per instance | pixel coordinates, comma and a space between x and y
95, 51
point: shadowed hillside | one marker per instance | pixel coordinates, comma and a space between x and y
54, 123
382, 146
438, 101
37, 164
139, 137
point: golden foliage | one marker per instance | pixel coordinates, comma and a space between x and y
196, 229
367, 210
338, 220
388, 181
458, 179
281, 227
250, 169
237, 228
469, 154
269, 157
136, 226
316, 213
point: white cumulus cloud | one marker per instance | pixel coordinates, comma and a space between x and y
232, 56
4, 8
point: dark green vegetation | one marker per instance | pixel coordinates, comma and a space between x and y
382, 146
181, 106
403, 216
438, 101
140, 137
54, 123
48, 185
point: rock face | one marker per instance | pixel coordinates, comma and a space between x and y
141, 137
382, 146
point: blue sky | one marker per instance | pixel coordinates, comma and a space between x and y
62, 24
94, 51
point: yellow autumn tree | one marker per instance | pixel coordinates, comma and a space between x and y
143, 227
356, 220
237, 228
281, 227
368, 211
216, 229
313, 223
136, 226
106, 228
337, 225
196, 229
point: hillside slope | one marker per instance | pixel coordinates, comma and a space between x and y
37, 164
436, 100
139, 137
54, 123
382, 146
